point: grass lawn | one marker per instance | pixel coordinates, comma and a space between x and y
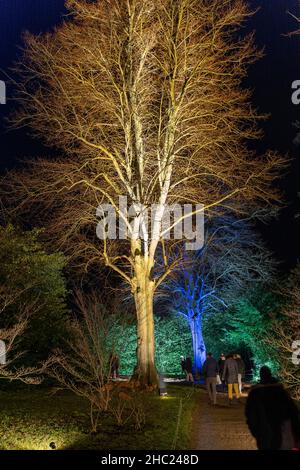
32, 418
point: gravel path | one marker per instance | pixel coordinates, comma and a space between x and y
221, 427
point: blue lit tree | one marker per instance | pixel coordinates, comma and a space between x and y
193, 296
232, 261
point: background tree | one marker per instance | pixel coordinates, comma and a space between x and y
285, 335
213, 279
245, 327
33, 292
84, 364
142, 99
172, 338
10, 334
32, 302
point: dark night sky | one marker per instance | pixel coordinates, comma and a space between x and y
270, 80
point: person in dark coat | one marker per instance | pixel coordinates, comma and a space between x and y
230, 374
189, 370
272, 416
210, 371
114, 366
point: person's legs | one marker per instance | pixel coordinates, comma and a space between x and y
214, 389
236, 390
230, 392
208, 387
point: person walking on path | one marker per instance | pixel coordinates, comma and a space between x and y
241, 371
230, 374
189, 370
210, 372
272, 416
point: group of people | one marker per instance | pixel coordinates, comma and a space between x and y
271, 414
228, 371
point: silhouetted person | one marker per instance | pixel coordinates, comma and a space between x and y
189, 370
230, 374
114, 366
210, 371
272, 416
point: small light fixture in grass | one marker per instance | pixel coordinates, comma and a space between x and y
162, 387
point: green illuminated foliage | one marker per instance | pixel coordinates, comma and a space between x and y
173, 339
31, 277
245, 327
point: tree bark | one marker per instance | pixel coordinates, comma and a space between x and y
198, 343
145, 371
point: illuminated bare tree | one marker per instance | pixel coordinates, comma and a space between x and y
297, 31
10, 336
285, 337
144, 99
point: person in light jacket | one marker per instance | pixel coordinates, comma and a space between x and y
241, 369
230, 374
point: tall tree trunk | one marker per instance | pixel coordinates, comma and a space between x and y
145, 371
198, 342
